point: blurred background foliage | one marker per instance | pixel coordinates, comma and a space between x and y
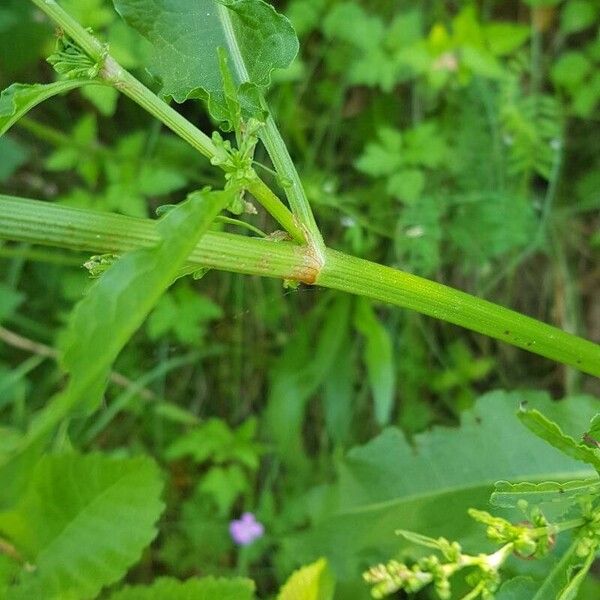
456, 140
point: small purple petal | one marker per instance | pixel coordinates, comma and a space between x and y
245, 530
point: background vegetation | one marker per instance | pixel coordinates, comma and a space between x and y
454, 140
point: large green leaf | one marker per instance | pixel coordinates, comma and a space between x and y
428, 486
186, 34
18, 99
116, 306
207, 588
81, 523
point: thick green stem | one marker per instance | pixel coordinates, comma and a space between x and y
113, 73
365, 278
54, 225
77, 229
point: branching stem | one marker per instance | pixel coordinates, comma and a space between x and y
54, 225
113, 73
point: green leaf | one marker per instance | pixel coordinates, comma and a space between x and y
562, 580
390, 483
518, 588
103, 98
571, 69
549, 431
338, 391
185, 313
14, 155
576, 574
594, 427
379, 359
224, 485
207, 588
214, 440
118, 303
383, 156
578, 15
82, 522
313, 582
18, 99
406, 185
349, 22
186, 36
505, 38
507, 495
10, 299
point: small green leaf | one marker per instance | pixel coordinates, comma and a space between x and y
406, 185
576, 574
207, 588
505, 38
379, 359
420, 539
594, 428
214, 440
224, 485
82, 522
549, 431
508, 495
563, 579
187, 34
518, 588
313, 582
185, 313
571, 69
18, 99
578, 15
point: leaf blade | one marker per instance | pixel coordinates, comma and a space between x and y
18, 99
72, 502
123, 297
186, 35
206, 588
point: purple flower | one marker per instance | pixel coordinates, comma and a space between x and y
245, 530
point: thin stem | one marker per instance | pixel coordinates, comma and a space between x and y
55, 225
113, 73
239, 223
280, 213
284, 165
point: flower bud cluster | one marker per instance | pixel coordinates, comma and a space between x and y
237, 162
71, 61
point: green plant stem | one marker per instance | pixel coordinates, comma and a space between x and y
357, 276
77, 229
284, 165
114, 74
54, 225
243, 224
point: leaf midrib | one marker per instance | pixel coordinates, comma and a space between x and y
71, 523
230, 38
374, 506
